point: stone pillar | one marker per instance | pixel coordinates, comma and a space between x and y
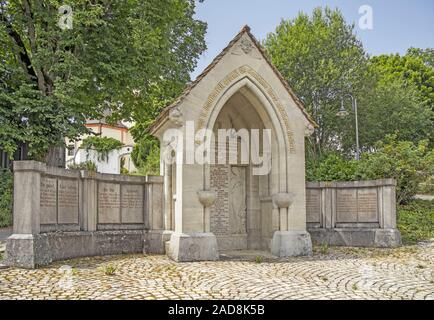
168, 197
191, 241
21, 246
388, 235
90, 201
287, 242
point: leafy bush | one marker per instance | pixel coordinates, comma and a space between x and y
146, 156
102, 145
88, 165
333, 167
416, 221
408, 163
427, 187
6, 198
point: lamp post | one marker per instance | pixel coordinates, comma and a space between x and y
343, 113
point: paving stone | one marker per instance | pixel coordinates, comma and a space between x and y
342, 273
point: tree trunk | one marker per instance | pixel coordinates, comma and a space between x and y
56, 157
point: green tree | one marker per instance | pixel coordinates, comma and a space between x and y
119, 55
414, 69
407, 162
321, 59
391, 107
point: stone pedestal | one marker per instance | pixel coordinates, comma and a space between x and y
386, 238
193, 247
21, 251
291, 243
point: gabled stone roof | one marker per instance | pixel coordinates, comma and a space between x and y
245, 30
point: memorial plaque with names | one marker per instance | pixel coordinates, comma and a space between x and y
48, 200
346, 205
68, 201
132, 204
313, 206
367, 203
109, 197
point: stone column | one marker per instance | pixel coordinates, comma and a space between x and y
21, 246
388, 235
168, 197
287, 242
90, 201
191, 241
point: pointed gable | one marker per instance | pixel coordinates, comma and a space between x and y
247, 47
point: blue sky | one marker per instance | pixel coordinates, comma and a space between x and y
398, 24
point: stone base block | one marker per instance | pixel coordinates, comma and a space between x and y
193, 247
291, 243
357, 237
31, 251
21, 251
155, 241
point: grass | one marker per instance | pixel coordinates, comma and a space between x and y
416, 221
110, 270
322, 248
258, 259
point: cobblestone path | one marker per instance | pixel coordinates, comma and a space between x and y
331, 273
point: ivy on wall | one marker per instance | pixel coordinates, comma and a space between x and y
102, 145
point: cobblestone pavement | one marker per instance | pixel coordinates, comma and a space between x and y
331, 273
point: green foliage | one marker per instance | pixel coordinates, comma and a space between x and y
405, 161
321, 58
427, 186
259, 259
392, 107
332, 167
88, 165
110, 270
125, 56
146, 156
6, 198
102, 145
414, 69
416, 221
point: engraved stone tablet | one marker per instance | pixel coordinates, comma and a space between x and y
313, 206
48, 200
367, 205
132, 204
68, 201
109, 203
346, 205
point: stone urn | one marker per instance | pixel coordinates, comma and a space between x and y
207, 198
283, 200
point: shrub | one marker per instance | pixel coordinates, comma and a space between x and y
332, 167
406, 162
6, 198
416, 221
409, 164
102, 145
88, 165
110, 270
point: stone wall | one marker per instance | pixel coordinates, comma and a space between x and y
358, 213
60, 214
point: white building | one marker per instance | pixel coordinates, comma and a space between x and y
116, 159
